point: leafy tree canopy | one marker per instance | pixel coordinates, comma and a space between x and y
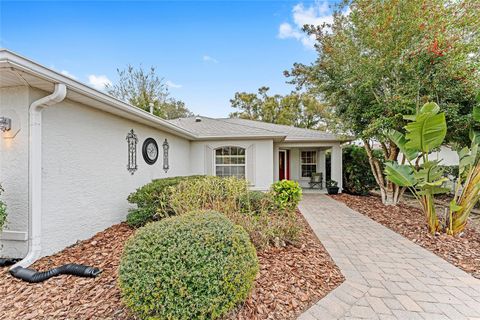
295, 109
387, 58
379, 60
143, 88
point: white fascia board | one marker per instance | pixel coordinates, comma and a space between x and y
12, 60
237, 137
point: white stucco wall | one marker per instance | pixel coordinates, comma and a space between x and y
14, 170
448, 156
262, 164
85, 177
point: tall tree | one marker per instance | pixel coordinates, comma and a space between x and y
143, 89
295, 109
387, 58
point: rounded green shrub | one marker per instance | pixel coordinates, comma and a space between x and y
194, 266
152, 200
286, 194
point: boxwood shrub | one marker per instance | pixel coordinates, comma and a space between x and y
256, 202
286, 194
139, 217
152, 200
357, 175
195, 266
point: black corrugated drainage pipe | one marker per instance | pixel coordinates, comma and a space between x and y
34, 276
4, 262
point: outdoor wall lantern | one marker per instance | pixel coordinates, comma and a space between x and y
165, 146
5, 124
132, 152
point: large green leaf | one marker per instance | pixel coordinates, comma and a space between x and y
429, 172
474, 135
454, 207
401, 175
432, 190
399, 139
430, 107
430, 179
410, 117
467, 158
427, 132
476, 113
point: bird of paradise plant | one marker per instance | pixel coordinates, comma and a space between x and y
423, 177
467, 190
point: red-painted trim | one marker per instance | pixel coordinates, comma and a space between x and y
281, 161
288, 164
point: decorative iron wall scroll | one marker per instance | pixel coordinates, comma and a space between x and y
166, 146
132, 141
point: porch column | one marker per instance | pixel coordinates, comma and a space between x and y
322, 165
336, 165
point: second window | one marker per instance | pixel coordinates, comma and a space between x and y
308, 163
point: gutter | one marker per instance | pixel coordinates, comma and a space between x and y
22, 64
35, 173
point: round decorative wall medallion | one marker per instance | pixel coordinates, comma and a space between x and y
150, 151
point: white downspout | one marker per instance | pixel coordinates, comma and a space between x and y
35, 173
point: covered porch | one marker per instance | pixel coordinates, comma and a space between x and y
299, 160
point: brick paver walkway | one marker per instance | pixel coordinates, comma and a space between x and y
387, 276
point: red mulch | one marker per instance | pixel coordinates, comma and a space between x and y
69, 297
290, 280
463, 251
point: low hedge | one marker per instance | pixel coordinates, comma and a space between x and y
3, 212
152, 200
358, 178
257, 213
195, 266
139, 217
286, 194
256, 202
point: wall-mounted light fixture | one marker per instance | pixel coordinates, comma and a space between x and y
5, 124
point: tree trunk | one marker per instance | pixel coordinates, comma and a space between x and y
390, 193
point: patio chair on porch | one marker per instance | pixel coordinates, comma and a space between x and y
316, 180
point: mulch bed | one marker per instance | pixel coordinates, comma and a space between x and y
462, 251
290, 280
68, 297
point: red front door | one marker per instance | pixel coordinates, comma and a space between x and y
283, 165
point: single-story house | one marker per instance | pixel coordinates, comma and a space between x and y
70, 155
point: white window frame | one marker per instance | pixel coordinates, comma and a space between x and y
215, 165
315, 157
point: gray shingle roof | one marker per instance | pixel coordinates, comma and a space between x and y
291, 133
209, 127
234, 127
